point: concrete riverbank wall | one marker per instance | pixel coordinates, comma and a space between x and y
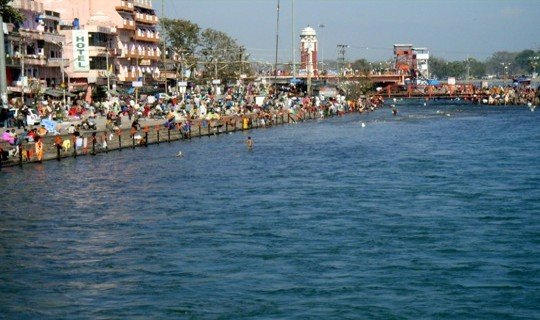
88, 144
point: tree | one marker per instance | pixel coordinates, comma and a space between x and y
442, 69
356, 89
362, 65
222, 56
523, 61
182, 39
501, 62
10, 14
477, 69
439, 68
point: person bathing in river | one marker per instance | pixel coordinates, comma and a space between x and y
249, 143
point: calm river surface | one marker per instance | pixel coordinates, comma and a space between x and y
434, 213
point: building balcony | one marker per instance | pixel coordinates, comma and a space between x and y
12, 62
146, 18
53, 37
125, 6
147, 4
151, 56
130, 76
27, 5
114, 52
51, 15
168, 75
128, 25
94, 51
128, 54
141, 54
35, 60
57, 62
34, 34
154, 38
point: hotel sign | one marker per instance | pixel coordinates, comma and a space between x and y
81, 62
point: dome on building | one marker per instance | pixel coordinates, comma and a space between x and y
308, 31
100, 19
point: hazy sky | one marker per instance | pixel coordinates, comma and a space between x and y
451, 29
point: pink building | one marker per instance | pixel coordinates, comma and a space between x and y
108, 41
33, 61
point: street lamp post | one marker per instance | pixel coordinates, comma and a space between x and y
63, 83
108, 73
3, 77
505, 66
23, 51
62, 70
322, 26
342, 48
534, 63
468, 61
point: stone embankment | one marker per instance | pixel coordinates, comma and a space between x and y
94, 142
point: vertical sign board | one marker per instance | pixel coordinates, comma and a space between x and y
81, 62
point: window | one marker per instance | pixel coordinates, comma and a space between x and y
98, 39
98, 63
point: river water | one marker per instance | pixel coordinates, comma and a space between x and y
433, 213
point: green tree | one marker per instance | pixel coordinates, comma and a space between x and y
182, 39
355, 89
477, 69
362, 65
10, 14
501, 62
524, 61
222, 56
442, 69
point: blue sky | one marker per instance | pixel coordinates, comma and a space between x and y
451, 29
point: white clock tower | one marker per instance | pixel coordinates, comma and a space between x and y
308, 51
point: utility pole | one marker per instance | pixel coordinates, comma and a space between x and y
505, 66
277, 46
342, 49
182, 65
108, 73
3, 77
63, 84
22, 68
164, 47
293, 44
322, 26
215, 68
468, 69
534, 63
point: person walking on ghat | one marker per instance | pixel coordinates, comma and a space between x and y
249, 143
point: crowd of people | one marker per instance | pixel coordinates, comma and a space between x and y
510, 95
516, 94
199, 104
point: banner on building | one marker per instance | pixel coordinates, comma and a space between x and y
81, 62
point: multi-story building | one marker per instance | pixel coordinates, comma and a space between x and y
33, 61
108, 40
